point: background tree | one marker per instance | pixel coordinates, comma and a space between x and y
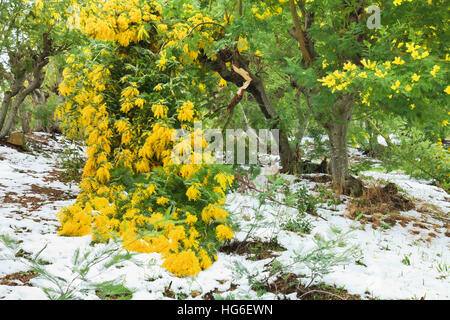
333, 64
31, 33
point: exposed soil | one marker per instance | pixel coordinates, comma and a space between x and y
288, 283
380, 206
113, 296
56, 175
430, 210
13, 146
39, 196
51, 193
23, 276
30, 202
255, 249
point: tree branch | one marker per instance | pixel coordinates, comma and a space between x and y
299, 35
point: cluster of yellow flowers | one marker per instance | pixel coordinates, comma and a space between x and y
414, 50
399, 2
125, 27
340, 80
131, 187
266, 12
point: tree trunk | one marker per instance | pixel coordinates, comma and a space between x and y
25, 119
337, 129
12, 115
5, 106
16, 87
39, 101
14, 98
258, 91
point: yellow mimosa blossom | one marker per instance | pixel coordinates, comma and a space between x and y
224, 232
162, 200
415, 77
435, 70
186, 112
395, 85
193, 193
398, 61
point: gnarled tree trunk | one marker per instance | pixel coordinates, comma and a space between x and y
258, 91
337, 128
14, 98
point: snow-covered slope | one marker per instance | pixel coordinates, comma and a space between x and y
400, 262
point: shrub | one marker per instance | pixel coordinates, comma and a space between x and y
420, 158
126, 94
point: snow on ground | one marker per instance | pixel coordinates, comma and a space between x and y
392, 263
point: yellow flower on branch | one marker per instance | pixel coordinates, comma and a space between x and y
162, 200
159, 111
395, 85
224, 232
224, 180
186, 112
193, 193
435, 70
368, 64
398, 61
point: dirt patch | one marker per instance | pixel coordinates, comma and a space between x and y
246, 186
4, 143
421, 225
380, 206
51, 193
23, 276
34, 202
432, 211
288, 283
38, 139
55, 175
30, 202
255, 249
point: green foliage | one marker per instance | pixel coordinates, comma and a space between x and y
44, 114
300, 224
306, 203
72, 161
110, 290
419, 157
406, 260
83, 263
328, 254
